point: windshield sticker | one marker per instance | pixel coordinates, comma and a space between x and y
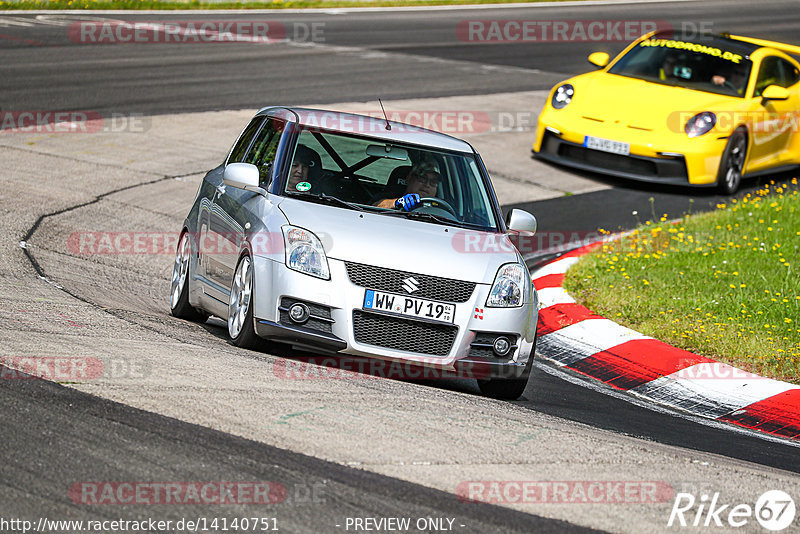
694, 47
303, 186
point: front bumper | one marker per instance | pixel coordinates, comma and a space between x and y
669, 159
339, 324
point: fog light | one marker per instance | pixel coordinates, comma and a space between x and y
501, 346
298, 313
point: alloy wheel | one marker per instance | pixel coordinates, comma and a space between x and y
241, 293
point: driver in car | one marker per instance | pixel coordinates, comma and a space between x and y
736, 79
422, 181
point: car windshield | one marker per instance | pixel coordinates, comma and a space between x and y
710, 65
371, 174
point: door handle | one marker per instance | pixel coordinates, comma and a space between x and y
220, 190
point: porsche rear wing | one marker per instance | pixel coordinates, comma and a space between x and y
783, 47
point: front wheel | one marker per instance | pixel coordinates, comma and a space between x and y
179, 286
731, 166
240, 306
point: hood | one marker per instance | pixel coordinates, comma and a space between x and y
640, 104
402, 244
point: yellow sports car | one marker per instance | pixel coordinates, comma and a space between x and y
701, 111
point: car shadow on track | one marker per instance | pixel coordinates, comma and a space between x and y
299, 363
571, 397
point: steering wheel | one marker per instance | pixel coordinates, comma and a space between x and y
436, 203
728, 85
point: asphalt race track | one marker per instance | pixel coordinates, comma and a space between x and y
179, 404
358, 57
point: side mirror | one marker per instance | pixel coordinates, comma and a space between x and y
241, 175
775, 92
521, 221
599, 59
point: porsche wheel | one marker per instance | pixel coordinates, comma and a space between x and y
179, 286
240, 306
731, 165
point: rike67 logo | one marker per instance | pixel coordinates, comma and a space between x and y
774, 510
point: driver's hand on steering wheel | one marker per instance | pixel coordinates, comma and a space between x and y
407, 202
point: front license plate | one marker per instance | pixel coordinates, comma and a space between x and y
606, 145
409, 306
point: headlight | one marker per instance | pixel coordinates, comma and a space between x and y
304, 252
509, 285
700, 124
562, 96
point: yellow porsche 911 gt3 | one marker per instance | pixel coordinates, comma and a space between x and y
674, 109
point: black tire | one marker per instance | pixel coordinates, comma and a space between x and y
241, 328
179, 286
508, 388
731, 165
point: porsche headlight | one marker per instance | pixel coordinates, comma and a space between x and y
562, 96
508, 288
304, 252
700, 124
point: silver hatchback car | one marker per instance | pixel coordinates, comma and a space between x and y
355, 235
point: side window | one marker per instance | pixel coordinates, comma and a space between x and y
262, 154
767, 74
308, 139
240, 149
776, 71
478, 205
790, 73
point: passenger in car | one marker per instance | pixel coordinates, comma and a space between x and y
305, 169
422, 181
667, 70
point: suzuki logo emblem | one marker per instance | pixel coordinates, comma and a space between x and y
410, 284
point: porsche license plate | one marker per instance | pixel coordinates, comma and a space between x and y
409, 306
606, 145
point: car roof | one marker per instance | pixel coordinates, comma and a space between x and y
374, 127
721, 40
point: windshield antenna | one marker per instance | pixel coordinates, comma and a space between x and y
388, 126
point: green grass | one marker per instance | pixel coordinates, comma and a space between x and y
722, 284
199, 4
